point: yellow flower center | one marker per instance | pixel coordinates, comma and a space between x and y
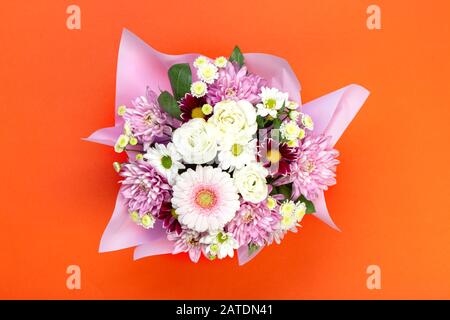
271, 103
205, 198
197, 113
236, 149
274, 156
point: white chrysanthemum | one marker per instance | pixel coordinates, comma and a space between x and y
200, 61
205, 199
220, 244
272, 101
292, 105
300, 211
208, 72
251, 182
307, 121
166, 160
236, 151
290, 130
221, 62
199, 89
196, 141
292, 213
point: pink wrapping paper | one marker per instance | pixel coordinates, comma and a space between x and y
140, 66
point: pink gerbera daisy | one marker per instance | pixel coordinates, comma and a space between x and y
205, 199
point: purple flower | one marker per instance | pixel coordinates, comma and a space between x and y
254, 223
315, 168
235, 84
143, 188
191, 107
146, 119
169, 217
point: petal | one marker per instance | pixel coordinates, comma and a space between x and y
333, 112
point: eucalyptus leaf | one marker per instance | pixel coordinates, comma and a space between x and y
237, 56
168, 103
180, 77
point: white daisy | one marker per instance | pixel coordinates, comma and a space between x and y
220, 244
272, 101
205, 199
235, 152
166, 160
208, 72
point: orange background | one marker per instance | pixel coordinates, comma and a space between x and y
391, 200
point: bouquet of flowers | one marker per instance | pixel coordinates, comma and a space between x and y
221, 153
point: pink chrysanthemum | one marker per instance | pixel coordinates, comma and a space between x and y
315, 168
146, 119
254, 223
187, 241
235, 84
143, 188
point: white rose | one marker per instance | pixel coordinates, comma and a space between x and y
251, 182
231, 117
196, 141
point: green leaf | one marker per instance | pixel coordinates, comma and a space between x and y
285, 190
180, 77
309, 205
261, 122
277, 123
237, 56
168, 103
252, 248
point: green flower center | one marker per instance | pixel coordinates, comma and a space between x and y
271, 103
166, 162
221, 237
236, 149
